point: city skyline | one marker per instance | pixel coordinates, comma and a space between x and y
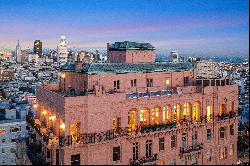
205, 27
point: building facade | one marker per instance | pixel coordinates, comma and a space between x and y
130, 52
136, 113
207, 69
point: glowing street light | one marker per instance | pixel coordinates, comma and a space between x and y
62, 126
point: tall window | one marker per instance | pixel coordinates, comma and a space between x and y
231, 129
116, 153
209, 112
135, 151
196, 110
133, 83
116, 124
117, 84
161, 144
173, 141
144, 117
155, 115
149, 148
167, 82
194, 159
232, 106
131, 119
223, 109
186, 110
209, 154
195, 139
222, 132
75, 159
149, 82
57, 156
231, 150
184, 140
209, 134
177, 112
166, 113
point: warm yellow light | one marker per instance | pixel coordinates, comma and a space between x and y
63, 75
52, 118
167, 82
44, 112
62, 126
35, 105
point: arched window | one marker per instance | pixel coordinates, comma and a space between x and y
132, 119
155, 115
196, 110
186, 110
209, 112
177, 112
144, 117
223, 109
166, 113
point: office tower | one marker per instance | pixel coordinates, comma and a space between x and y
38, 47
174, 56
62, 51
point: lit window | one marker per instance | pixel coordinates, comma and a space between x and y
209, 112
131, 119
144, 117
186, 110
167, 82
155, 115
231, 150
2, 131
196, 110
177, 111
223, 109
165, 113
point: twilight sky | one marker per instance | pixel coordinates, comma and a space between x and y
204, 27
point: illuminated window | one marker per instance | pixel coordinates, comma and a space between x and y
177, 112
231, 150
186, 110
2, 131
155, 115
167, 82
209, 112
131, 119
144, 117
166, 113
232, 106
196, 110
72, 131
223, 109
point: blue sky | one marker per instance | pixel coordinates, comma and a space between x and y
203, 27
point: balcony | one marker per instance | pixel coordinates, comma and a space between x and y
145, 161
226, 116
191, 149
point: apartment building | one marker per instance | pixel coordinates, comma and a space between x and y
136, 113
207, 69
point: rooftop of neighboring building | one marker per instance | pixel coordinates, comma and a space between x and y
128, 45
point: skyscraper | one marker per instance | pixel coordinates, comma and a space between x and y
18, 52
174, 56
62, 51
38, 47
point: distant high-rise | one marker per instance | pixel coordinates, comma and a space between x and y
62, 51
18, 52
174, 56
38, 47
